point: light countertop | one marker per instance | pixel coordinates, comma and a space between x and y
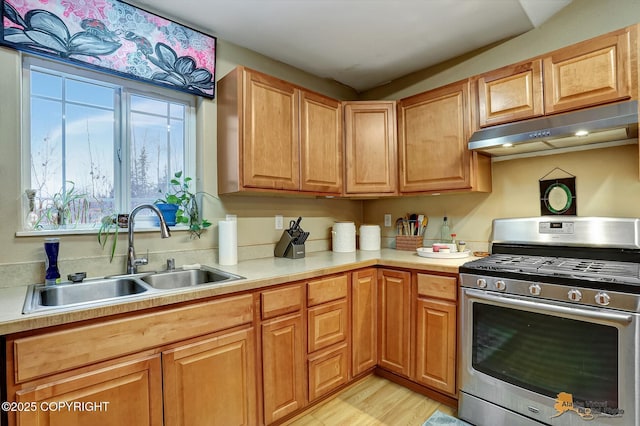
259, 273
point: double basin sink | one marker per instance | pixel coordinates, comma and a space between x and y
103, 291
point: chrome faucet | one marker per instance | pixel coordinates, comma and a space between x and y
132, 261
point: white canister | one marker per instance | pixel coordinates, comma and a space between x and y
369, 237
343, 237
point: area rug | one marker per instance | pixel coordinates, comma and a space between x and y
440, 419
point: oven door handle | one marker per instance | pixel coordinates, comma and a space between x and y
601, 315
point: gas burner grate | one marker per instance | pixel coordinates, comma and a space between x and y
608, 270
512, 263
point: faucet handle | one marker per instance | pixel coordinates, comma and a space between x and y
140, 261
171, 264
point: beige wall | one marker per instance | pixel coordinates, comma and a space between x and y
600, 183
606, 185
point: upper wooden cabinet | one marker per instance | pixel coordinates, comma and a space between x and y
320, 143
510, 93
275, 136
593, 72
370, 148
433, 130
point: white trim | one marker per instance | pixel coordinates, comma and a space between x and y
124, 90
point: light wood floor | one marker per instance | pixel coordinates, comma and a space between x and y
372, 401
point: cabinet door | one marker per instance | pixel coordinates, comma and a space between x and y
370, 147
327, 371
270, 154
327, 325
123, 394
394, 292
436, 344
589, 73
211, 381
510, 93
320, 143
364, 320
433, 129
283, 367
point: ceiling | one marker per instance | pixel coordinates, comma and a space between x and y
360, 43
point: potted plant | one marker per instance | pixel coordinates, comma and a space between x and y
67, 207
185, 203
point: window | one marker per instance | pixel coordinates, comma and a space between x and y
97, 145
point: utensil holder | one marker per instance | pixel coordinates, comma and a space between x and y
408, 242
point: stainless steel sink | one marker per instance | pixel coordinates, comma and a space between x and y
109, 290
188, 278
41, 297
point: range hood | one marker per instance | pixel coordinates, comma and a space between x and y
614, 122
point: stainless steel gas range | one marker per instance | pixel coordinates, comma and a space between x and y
549, 324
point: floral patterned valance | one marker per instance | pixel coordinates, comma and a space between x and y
113, 36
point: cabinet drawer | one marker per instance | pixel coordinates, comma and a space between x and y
49, 353
326, 290
327, 371
327, 324
281, 301
437, 286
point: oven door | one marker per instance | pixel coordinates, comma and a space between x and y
553, 362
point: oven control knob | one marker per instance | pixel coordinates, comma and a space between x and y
482, 283
535, 289
603, 299
575, 295
500, 285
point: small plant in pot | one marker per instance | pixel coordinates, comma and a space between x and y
185, 203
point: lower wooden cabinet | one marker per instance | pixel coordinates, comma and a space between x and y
211, 381
435, 347
199, 364
190, 365
364, 329
128, 393
327, 324
328, 370
394, 307
283, 370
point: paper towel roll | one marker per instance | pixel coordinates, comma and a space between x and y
369, 237
344, 237
227, 242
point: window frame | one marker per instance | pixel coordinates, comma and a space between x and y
122, 172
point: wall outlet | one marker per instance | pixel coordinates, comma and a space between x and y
279, 222
232, 217
387, 220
